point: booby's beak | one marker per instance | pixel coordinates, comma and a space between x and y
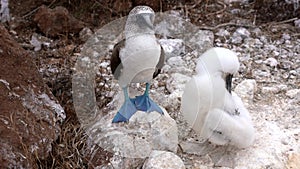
146, 20
228, 80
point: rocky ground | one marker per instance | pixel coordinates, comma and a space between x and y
265, 36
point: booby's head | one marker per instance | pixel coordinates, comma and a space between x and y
219, 61
140, 21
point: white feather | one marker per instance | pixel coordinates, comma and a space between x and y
209, 108
218, 59
139, 59
235, 130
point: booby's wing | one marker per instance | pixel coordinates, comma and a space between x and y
160, 63
115, 60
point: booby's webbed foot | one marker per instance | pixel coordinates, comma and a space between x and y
127, 109
145, 103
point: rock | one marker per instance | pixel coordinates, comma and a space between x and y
293, 93
172, 47
286, 36
293, 161
246, 90
239, 35
29, 115
176, 65
223, 33
123, 163
257, 32
243, 32
85, 34
176, 61
163, 159
197, 148
270, 90
236, 39
143, 133
35, 43
177, 81
53, 22
201, 41
297, 23
271, 62
172, 24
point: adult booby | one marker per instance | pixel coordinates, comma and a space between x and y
137, 59
210, 107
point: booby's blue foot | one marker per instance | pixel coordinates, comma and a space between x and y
145, 103
126, 111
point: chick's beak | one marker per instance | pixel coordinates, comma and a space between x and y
228, 80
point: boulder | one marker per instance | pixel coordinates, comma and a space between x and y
246, 90
143, 133
53, 22
30, 116
132, 142
163, 159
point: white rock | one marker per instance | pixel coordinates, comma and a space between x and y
286, 36
297, 23
235, 11
172, 47
197, 148
143, 133
292, 93
177, 81
246, 90
36, 43
269, 90
223, 33
176, 61
236, 39
163, 160
271, 62
201, 41
177, 65
122, 163
85, 34
239, 35
257, 31
243, 32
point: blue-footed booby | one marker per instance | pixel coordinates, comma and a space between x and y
137, 59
